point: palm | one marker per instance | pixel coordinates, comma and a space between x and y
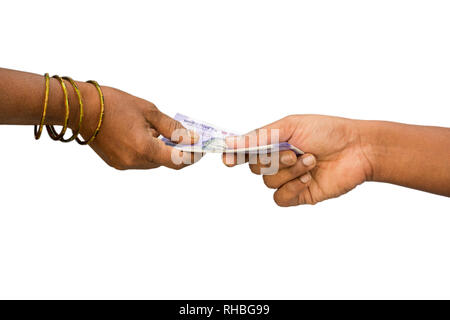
341, 164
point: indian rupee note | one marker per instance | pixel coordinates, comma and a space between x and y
212, 139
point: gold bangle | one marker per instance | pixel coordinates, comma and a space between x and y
80, 101
102, 113
38, 132
51, 129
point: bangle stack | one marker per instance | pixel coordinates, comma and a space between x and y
51, 129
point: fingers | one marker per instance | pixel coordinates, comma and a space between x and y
257, 161
285, 159
232, 159
172, 129
291, 180
276, 132
161, 154
303, 164
294, 192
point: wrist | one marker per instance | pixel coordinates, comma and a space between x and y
374, 145
91, 110
90, 99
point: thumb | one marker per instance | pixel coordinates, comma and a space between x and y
276, 132
172, 129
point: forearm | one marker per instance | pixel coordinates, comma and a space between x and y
22, 98
412, 156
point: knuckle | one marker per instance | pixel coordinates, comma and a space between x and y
278, 198
254, 168
152, 112
313, 201
152, 106
289, 117
307, 198
270, 182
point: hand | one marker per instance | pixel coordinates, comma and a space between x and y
334, 164
128, 138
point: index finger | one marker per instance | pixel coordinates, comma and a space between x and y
232, 159
171, 157
286, 158
171, 128
276, 132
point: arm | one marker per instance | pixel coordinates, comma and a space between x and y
408, 155
128, 137
22, 96
343, 153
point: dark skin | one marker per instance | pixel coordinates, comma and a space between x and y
343, 153
128, 136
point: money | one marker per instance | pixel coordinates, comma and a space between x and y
212, 139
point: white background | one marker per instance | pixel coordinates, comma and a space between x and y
71, 227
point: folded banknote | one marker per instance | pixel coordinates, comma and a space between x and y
212, 139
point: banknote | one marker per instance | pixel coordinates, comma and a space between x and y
212, 139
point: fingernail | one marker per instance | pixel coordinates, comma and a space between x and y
233, 141
309, 160
228, 159
286, 159
305, 178
193, 135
